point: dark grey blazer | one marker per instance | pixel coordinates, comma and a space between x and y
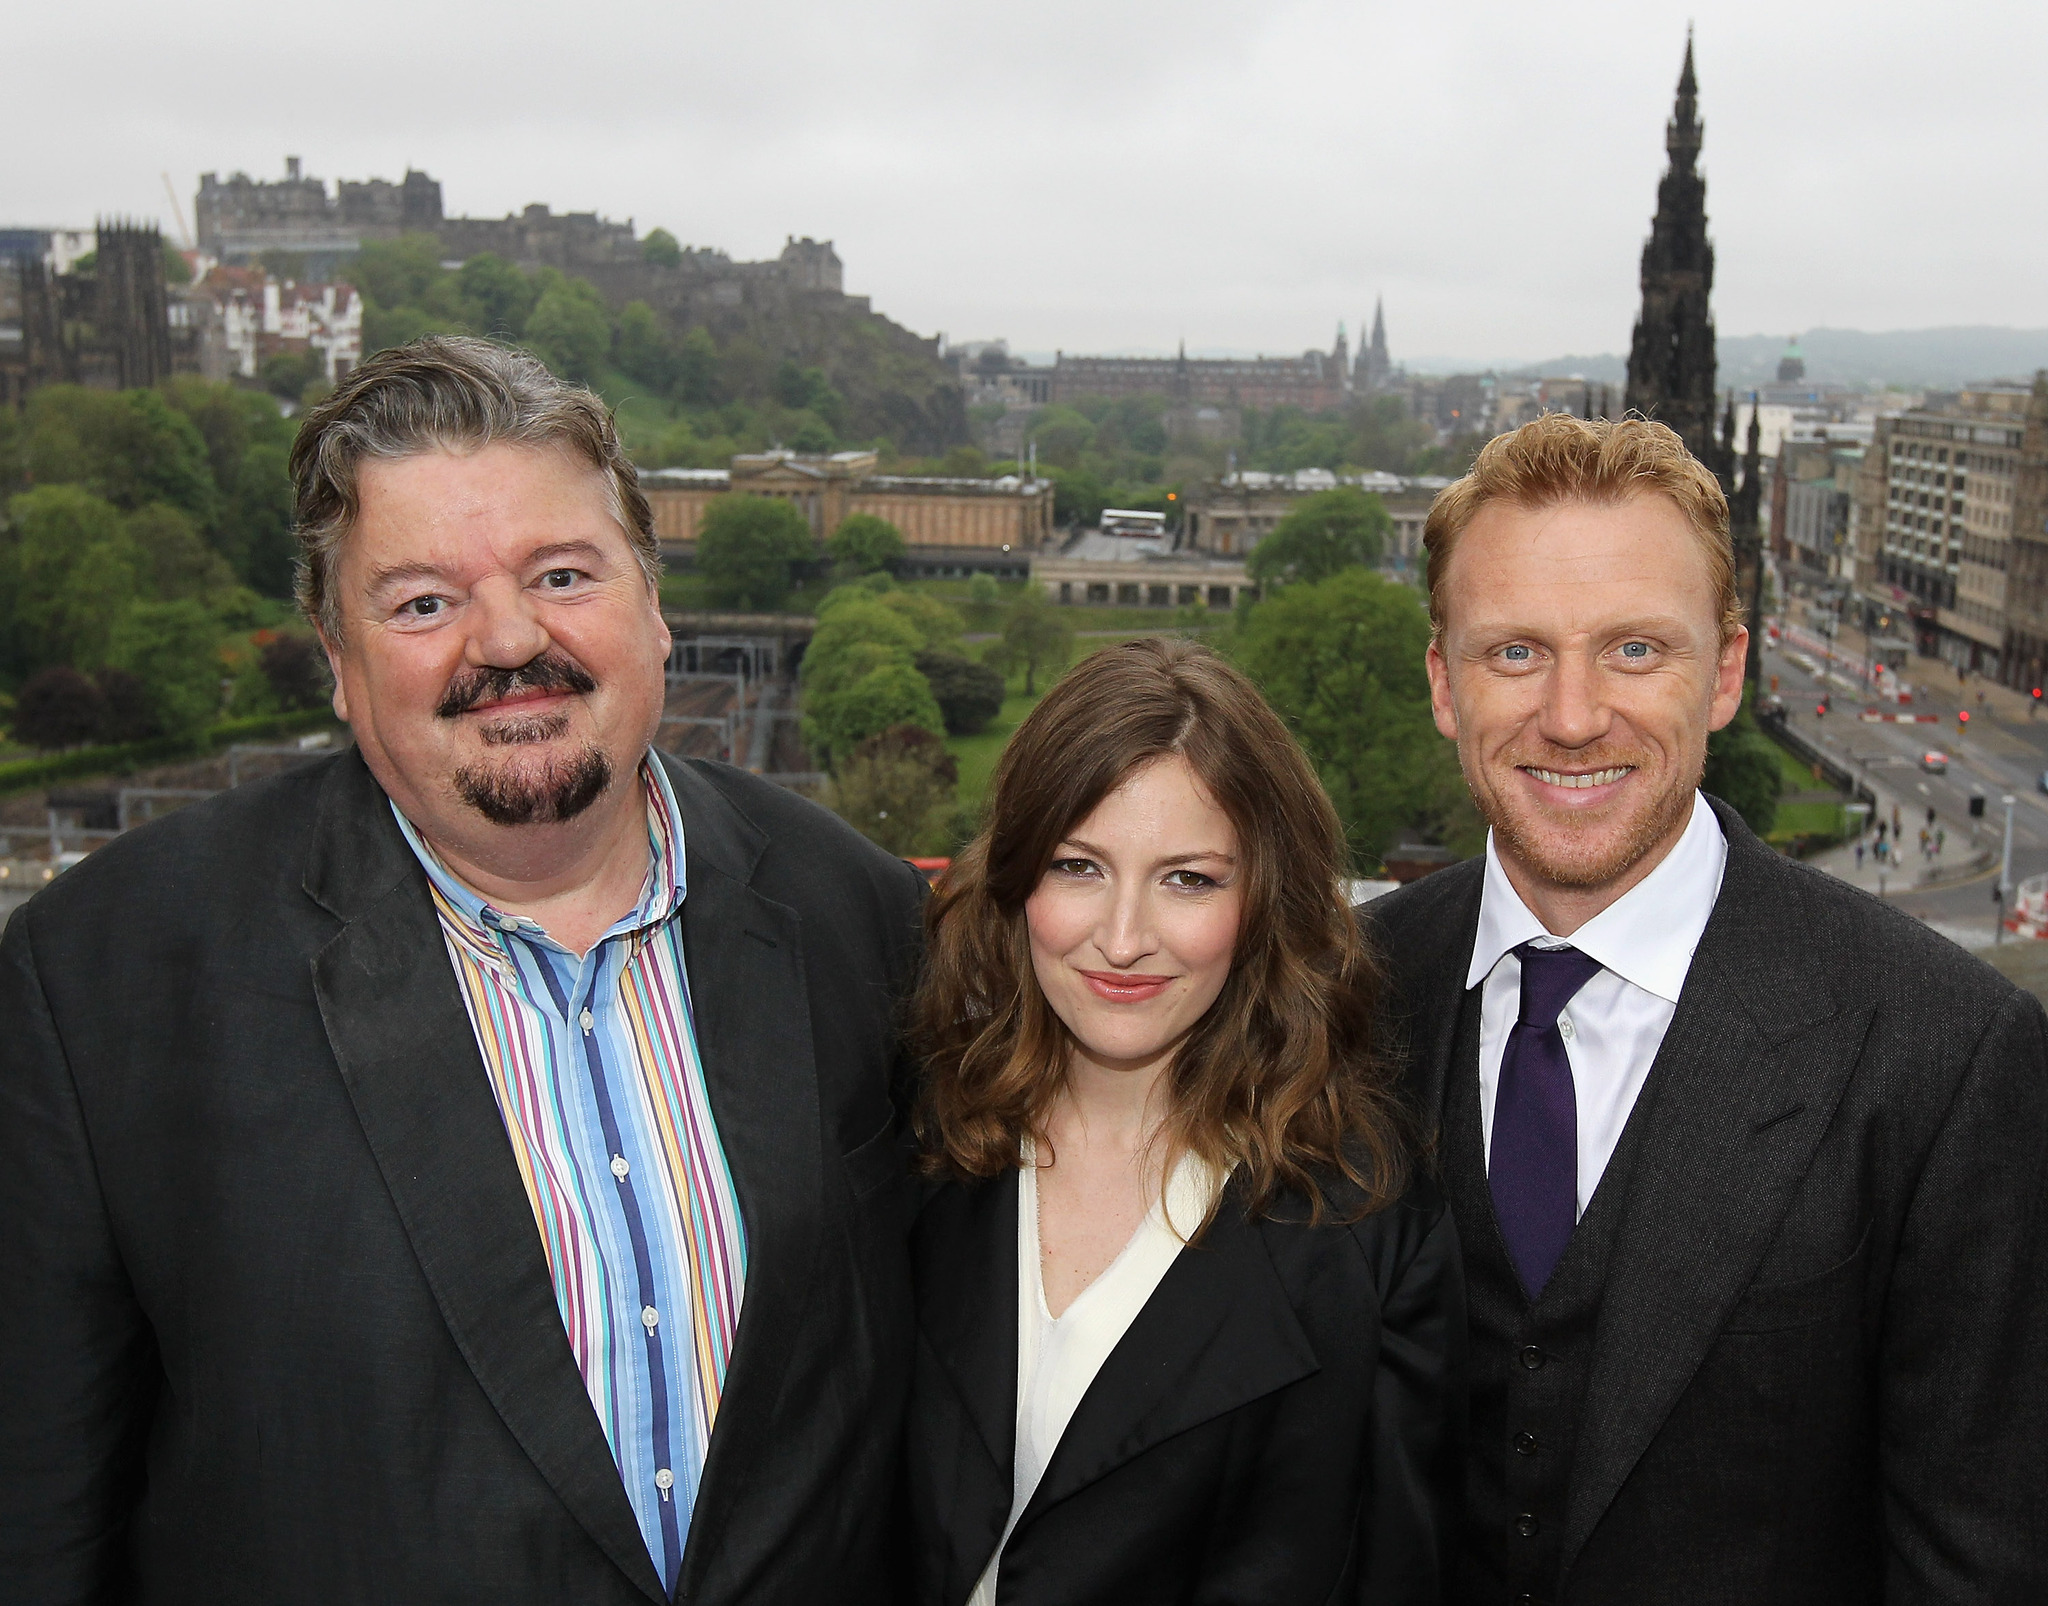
1820, 1369
275, 1321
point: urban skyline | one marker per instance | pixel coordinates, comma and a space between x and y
1490, 173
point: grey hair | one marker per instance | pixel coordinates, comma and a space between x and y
443, 393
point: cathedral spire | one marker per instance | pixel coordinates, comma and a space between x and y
1671, 364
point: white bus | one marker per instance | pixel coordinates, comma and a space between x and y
1132, 521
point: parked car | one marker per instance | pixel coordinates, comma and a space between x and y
1934, 763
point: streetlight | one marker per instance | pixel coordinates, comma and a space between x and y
1998, 893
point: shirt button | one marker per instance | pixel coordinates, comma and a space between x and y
1565, 1025
1526, 1444
1527, 1526
664, 1480
1532, 1358
650, 1318
586, 1020
619, 1166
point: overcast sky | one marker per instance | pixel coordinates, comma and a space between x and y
1100, 175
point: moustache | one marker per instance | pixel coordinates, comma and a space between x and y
551, 671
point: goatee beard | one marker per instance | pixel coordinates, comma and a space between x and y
562, 789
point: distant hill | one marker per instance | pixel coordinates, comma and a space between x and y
1938, 358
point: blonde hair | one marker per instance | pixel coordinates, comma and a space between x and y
1559, 458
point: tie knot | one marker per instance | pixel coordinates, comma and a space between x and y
1551, 978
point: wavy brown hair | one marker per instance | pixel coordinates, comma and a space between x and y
1280, 1077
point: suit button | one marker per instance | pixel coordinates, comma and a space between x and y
1525, 1599
1526, 1444
1527, 1526
1532, 1358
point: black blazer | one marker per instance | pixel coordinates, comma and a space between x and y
1273, 1430
1820, 1368
275, 1321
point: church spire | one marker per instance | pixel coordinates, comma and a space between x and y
1671, 364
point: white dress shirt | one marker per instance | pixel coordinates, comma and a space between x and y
1058, 1356
1614, 1027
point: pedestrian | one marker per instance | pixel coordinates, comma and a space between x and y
383, 1215
1756, 1240
1859, 856
1940, 839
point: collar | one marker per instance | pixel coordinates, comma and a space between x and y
1646, 936
661, 894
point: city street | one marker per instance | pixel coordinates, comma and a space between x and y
2003, 750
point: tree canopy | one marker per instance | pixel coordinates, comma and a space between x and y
864, 543
1342, 661
1320, 536
748, 548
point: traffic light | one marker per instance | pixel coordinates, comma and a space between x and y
1820, 708
1962, 718
2037, 694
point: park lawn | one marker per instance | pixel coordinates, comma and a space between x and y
1809, 819
1798, 774
977, 754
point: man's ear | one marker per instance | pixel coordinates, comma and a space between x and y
1728, 680
334, 668
1440, 703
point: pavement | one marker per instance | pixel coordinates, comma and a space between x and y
2002, 752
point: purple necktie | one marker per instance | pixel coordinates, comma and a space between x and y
1534, 1168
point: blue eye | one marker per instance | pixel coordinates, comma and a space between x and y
1637, 650
1517, 654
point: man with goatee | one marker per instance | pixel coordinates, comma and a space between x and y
1750, 1169
463, 1169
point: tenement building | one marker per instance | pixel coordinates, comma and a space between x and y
950, 526
1935, 521
2026, 597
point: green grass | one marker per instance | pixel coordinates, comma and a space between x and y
1799, 776
1811, 820
976, 755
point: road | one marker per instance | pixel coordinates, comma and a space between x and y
2002, 751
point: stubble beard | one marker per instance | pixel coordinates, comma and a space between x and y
1588, 854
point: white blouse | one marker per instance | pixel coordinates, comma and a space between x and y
1058, 1356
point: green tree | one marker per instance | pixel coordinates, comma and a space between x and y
173, 648
1062, 434
230, 420
129, 447
1321, 535
984, 597
1341, 660
897, 788
496, 297
176, 561
397, 273
938, 627
969, 694
661, 249
850, 619
69, 569
569, 329
644, 350
864, 543
1036, 637
288, 373
888, 695
748, 548
256, 533
1743, 771
176, 269
698, 370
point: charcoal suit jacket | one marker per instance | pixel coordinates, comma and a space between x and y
1277, 1427
1819, 1370
275, 1319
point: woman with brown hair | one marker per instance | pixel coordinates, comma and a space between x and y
1186, 1323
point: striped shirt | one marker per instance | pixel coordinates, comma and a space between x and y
593, 1062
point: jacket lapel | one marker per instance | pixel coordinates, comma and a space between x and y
408, 1056
1752, 1066
752, 1013
1217, 1333
1426, 962
966, 1256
